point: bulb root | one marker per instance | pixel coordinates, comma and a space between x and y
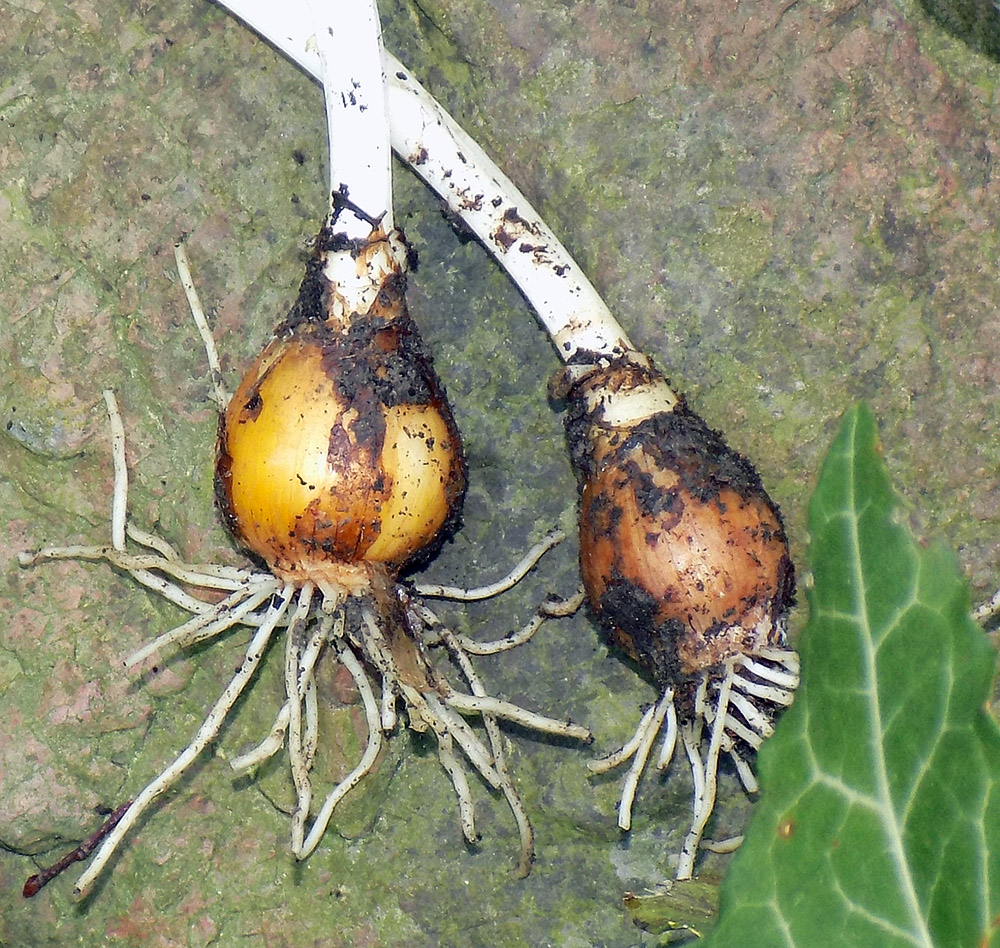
312, 624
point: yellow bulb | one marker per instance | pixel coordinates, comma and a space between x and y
683, 554
418, 447
338, 451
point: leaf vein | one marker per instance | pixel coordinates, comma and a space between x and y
894, 830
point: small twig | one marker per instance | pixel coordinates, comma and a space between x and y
34, 884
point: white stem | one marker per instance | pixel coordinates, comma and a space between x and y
426, 137
348, 41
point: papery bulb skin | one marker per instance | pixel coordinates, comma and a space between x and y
683, 555
338, 450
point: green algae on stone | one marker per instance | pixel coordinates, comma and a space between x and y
769, 109
739, 242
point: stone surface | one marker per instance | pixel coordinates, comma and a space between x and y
792, 206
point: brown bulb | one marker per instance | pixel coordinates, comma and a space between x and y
339, 450
683, 554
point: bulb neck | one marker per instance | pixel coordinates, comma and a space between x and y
607, 401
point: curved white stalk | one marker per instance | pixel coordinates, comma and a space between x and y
428, 139
425, 136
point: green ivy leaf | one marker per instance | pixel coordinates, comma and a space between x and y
879, 824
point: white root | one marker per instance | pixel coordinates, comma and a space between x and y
295, 696
268, 747
443, 720
229, 612
497, 707
746, 774
704, 802
205, 576
638, 748
550, 608
119, 498
329, 627
774, 695
760, 722
453, 767
628, 749
523, 567
205, 735
789, 680
524, 828
219, 392
426, 710
387, 714
736, 708
631, 782
728, 845
364, 766
669, 744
